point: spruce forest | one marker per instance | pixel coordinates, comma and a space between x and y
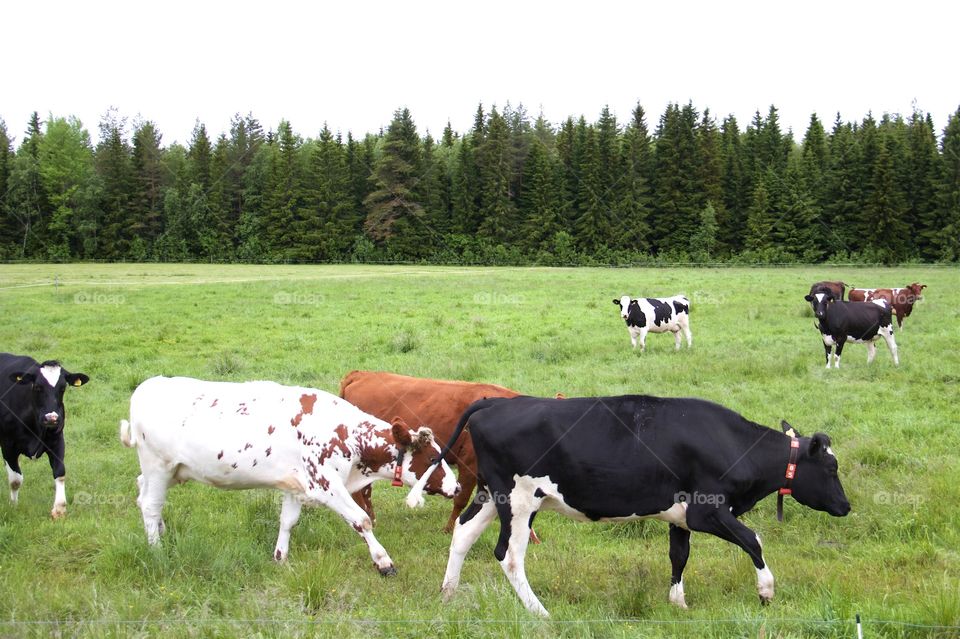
512, 190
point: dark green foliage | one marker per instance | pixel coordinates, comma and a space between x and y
510, 190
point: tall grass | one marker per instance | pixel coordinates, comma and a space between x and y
541, 331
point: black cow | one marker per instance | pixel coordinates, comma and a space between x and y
689, 462
858, 322
32, 417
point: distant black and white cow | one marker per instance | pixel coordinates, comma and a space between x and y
656, 315
32, 417
858, 322
689, 462
315, 447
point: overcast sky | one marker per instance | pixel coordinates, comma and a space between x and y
351, 64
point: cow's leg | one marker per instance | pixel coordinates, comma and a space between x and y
689, 335
364, 497
633, 337
468, 529
289, 515
153, 494
891, 341
827, 348
511, 548
871, 351
676, 339
840, 342
14, 476
338, 499
679, 553
643, 340
55, 456
466, 461
722, 523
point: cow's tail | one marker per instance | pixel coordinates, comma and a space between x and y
415, 497
127, 438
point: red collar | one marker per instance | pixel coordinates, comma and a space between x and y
788, 476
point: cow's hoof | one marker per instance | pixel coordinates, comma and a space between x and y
446, 593
58, 512
389, 571
278, 555
765, 601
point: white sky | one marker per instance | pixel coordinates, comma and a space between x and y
352, 64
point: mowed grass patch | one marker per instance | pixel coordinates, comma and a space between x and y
540, 331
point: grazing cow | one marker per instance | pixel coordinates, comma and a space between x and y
689, 462
835, 288
32, 417
901, 300
656, 315
314, 446
859, 322
434, 402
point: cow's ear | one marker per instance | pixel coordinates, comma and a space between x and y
401, 432
23, 378
809, 298
76, 379
788, 429
819, 444
617, 302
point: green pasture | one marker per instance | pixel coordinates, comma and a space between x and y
894, 559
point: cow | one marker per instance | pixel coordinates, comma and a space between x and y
858, 322
901, 300
32, 418
435, 402
656, 315
835, 288
314, 446
689, 462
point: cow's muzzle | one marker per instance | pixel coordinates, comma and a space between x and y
51, 420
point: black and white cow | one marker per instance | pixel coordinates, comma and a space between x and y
315, 447
656, 315
32, 418
689, 462
858, 322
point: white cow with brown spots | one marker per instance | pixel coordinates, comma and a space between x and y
314, 446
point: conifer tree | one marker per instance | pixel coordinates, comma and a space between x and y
843, 190
199, 155
921, 181
113, 159
947, 242
148, 175
733, 214
7, 221
393, 210
885, 206
593, 226
632, 228
66, 172
495, 161
538, 199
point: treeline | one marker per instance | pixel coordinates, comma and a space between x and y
511, 190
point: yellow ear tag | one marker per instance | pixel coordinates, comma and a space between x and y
19, 378
790, 432
77, 382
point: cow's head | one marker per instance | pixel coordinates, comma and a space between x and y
820, 301
915, 292
816, 483
420, 454
624, 303
47, 383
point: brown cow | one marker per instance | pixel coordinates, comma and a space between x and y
901, 300
834, 288
435, 403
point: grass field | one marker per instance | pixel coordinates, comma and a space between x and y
894, 559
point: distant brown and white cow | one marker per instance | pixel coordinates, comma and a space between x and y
901, 300
315, 447
835, 288
435, 402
